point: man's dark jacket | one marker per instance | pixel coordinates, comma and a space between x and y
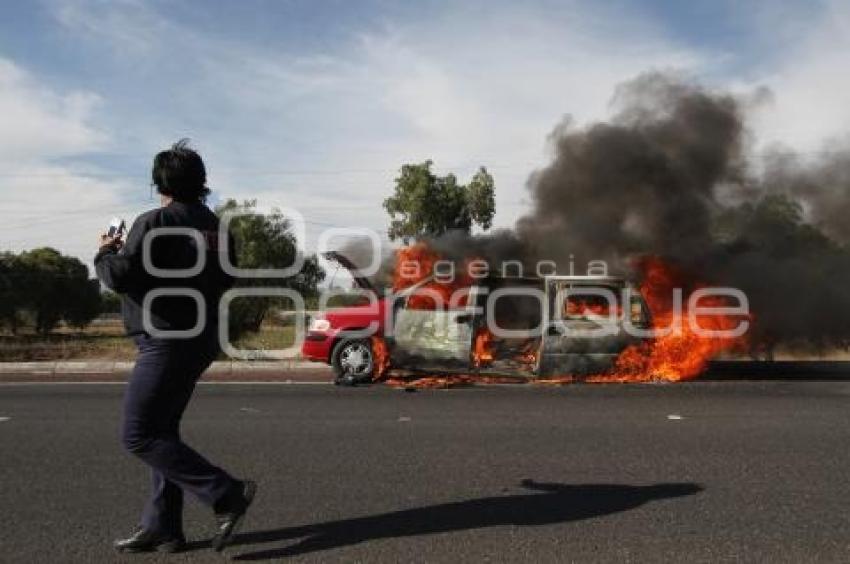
123, 271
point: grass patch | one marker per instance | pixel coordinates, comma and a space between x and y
270, 337
105, 340
102, 340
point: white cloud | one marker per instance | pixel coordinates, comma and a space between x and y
106, 20
463, 88
809, 80
38, 122
326, 132
46, 201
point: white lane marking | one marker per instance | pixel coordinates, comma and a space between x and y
403, 419
674, 417
4, 419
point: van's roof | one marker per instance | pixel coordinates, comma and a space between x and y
607, 279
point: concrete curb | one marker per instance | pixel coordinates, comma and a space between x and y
123, 367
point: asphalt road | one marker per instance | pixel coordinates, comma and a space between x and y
698, 472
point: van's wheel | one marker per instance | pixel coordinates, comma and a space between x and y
353, 362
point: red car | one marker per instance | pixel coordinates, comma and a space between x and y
340, 336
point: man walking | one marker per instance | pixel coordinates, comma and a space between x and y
168, 366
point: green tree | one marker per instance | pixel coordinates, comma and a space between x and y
110, 302
42, 271
53, 287
427, 205
84, 303
265, 241
10, 291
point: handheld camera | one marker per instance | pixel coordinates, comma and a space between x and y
116, 228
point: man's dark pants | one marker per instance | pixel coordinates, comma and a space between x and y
159, 390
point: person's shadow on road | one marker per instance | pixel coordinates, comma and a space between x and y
559, 503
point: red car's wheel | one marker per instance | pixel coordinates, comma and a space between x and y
352, 361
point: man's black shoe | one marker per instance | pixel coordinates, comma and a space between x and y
230, 517
149, 541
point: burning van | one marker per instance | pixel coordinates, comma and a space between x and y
526, 327
529, 327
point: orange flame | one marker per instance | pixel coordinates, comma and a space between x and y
482, 349
680, 354
382, 358
577, 307
414, 264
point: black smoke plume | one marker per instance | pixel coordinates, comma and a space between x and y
645, 182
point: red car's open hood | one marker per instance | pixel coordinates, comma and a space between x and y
342, 260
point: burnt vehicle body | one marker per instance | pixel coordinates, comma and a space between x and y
589, 324
555, 325
527, 327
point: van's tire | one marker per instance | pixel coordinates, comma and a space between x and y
353, 362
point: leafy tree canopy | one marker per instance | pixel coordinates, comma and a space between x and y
427, 205
265, 241
48, 287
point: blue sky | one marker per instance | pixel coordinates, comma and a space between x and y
314, 105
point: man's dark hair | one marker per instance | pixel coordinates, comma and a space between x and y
179, 172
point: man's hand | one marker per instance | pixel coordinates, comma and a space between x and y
107, 241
